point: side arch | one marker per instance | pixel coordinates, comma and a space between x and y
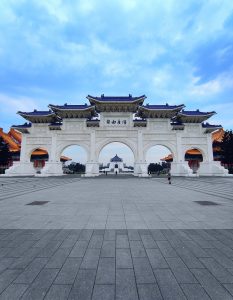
30, 150
167, 145
61, 147
201, 149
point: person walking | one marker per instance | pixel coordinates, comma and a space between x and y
169, 177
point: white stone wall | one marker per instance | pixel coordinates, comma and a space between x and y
117, 127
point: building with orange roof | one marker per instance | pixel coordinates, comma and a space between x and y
39, 156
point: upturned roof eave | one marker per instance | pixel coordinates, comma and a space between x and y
30, 114
198, 114
100, 101
177, 108
54, 107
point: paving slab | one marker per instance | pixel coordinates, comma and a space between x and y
116, 239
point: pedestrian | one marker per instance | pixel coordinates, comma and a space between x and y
169, 177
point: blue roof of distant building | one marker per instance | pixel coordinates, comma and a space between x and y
116, 158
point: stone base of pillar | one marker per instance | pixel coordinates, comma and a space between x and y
20, 169
181, 169
140, 170
92, 169
212, 168
51, 169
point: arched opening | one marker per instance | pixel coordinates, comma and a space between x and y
194, 157
38, 157
74, 158
116, 158
158, 160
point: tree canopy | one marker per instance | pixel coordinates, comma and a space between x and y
5, 154
77, 167
227, 148
155, 167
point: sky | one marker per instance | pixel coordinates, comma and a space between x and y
173, 51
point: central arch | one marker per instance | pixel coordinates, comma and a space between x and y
116, 157
129, 143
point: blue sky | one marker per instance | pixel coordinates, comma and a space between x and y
54, 51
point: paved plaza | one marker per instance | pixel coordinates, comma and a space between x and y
116, 237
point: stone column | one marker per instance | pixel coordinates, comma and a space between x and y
53, 167
140, 165
210, 154
92, 165
180, 167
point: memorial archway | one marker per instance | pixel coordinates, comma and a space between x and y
194, 157
39, 157
158, 159
116, 158
73, 159
124, 119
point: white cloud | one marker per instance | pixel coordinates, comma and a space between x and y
212, 87
208, 88
56, 8
13, 104
86, 7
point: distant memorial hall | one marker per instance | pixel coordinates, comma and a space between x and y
110, 119
116, 165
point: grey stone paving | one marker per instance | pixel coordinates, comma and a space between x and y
124, 268
103, 239
116, 203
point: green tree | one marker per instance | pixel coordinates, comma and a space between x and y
77, 167
5, 155
154, 167
227, 149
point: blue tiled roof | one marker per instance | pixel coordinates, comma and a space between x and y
37, 113
177, 122
55, 124
70, 106
117, 98
162, 107
196, 113
207, 125
25, 125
